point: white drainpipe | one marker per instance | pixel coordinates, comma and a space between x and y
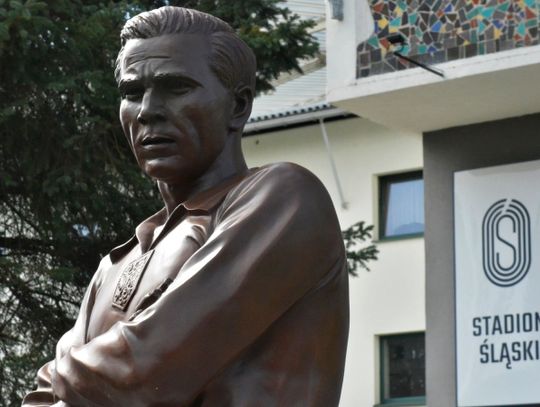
344, 204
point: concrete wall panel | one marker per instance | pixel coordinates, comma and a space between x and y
446, 151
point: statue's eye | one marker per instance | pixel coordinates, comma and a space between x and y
180, 89
177, 86
131, 91
133, 94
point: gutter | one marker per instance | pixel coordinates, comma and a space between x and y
294, 118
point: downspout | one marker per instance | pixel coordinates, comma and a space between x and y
344, 204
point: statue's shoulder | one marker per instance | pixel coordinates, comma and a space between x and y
286, 175
285, 182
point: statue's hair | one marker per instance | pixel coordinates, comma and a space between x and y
231, 59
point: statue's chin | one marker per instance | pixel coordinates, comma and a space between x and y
170, 170
162, 168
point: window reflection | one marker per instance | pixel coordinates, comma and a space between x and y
402, 204
403, 366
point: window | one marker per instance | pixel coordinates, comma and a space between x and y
401, 205
403, 369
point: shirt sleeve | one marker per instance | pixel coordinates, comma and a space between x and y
44, 394
276, 238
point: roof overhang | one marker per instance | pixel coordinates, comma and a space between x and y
478, 89
295, 117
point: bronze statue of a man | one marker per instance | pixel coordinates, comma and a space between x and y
234, 294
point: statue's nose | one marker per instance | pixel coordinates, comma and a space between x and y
152, 108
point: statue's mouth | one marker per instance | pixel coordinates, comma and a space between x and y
156, 140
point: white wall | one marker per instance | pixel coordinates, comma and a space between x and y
390, 298
344, 36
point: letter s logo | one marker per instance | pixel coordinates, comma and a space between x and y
506, 233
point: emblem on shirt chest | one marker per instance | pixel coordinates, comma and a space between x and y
129, 280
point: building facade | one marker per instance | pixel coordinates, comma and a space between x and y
419, 96
475, 102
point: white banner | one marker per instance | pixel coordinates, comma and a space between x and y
497, 264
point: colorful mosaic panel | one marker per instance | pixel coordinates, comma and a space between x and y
445, 30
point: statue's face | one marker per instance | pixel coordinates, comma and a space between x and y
175, 112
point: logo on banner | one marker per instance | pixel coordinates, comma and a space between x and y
506, 242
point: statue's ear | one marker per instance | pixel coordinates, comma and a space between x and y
243, 101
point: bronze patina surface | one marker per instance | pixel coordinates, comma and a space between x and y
235, 294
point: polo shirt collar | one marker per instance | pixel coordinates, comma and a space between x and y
203, 201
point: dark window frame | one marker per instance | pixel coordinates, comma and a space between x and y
396, 401
384, 182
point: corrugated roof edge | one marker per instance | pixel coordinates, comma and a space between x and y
291, 111
294, 116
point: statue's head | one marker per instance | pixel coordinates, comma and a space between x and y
187, 83
230, 57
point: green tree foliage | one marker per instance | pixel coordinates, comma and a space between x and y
69, 188
359, 253
278, 37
